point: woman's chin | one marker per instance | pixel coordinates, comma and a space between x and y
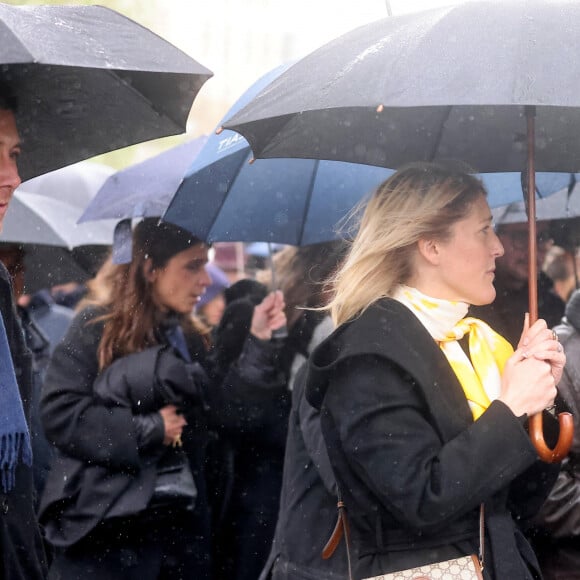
484, 300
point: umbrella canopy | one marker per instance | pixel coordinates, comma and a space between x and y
223, 197
42, 217
89, 80
446, 83
75, 184
290, 201
37, 219
45, 210
143, 189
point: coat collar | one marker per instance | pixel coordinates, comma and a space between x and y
390, 330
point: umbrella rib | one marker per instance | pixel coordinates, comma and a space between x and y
140, 96
440, 135
308, 200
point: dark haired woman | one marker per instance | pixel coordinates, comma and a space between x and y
131, 380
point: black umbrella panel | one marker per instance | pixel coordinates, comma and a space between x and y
88, 80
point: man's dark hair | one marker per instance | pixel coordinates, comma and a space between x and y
8, 99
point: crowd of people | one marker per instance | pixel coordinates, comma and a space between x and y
165, 428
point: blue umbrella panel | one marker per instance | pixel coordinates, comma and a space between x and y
224, 197
287, 201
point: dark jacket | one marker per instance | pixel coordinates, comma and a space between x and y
108, 444
22, 554
412, 464
559, 519
254, 457
307, 502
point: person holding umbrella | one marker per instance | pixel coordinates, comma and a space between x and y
423, 410
20, 540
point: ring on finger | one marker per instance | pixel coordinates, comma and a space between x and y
554, 335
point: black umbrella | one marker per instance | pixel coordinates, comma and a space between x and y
496, 84
89, 80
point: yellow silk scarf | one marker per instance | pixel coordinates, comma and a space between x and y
479, 373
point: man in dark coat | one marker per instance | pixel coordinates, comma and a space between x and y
22, 555
506, 312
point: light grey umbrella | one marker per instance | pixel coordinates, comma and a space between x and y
58, 250
37, 219
74, 184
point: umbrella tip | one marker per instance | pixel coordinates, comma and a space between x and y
380, 108
219, 130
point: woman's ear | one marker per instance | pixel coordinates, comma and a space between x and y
429, 250
149, 271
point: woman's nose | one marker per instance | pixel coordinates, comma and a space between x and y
498, 250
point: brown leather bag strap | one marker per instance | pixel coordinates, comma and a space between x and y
341, 529
334, 540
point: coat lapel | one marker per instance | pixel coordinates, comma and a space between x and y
390, 329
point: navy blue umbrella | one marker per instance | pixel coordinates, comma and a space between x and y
223, 197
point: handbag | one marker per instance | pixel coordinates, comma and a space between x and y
174, 485
463, 568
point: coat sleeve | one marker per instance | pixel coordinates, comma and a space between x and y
381, 422
73, 420
560, 514
250, 395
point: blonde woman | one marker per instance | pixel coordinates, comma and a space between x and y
424, 409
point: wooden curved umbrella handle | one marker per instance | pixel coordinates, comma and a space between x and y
566, 422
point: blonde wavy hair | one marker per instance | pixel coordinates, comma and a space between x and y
420, 200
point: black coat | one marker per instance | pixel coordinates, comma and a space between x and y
22, 553
255, 457
143, 383
412, 464
102, 467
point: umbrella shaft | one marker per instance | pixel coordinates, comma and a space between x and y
531, 203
